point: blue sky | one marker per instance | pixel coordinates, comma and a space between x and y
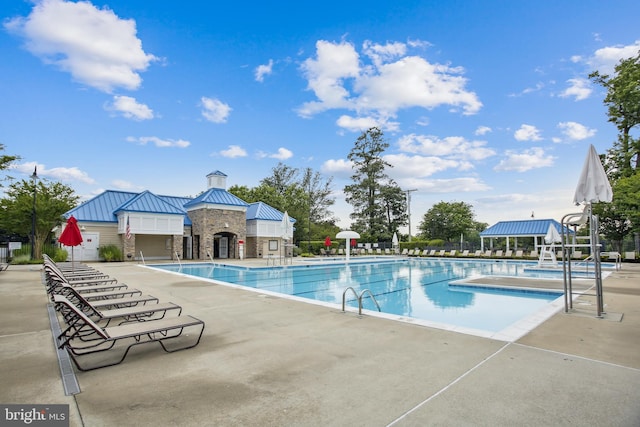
486, 102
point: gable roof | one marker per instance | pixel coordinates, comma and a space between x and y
531, 227
216, 196
262, 211
149, 202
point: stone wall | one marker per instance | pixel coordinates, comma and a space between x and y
208, 222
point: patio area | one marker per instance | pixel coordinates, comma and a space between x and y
268, 361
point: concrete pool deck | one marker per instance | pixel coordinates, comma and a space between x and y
269, 361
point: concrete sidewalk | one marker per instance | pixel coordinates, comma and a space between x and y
268, 361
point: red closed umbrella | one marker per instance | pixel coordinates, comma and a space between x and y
71, 235
327, 241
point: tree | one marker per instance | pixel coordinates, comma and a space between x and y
377, 206
623, 108
305, 197
447, 221
622, 160
52, 200
5, 161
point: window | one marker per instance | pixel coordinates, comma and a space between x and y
273, 245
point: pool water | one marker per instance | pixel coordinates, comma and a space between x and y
414, 288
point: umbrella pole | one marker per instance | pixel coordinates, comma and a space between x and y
595, 244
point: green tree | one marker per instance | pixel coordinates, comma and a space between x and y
448, 220
52, 200
5, 162
377, 209
622, 160
623, 108
305, 196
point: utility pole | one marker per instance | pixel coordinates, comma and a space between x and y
409, 208
34, 177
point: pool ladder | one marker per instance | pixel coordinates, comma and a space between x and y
359, 297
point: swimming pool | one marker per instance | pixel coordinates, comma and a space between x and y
417, 290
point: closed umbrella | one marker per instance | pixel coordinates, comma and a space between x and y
394, 242
593, 186
327, 242
71, 235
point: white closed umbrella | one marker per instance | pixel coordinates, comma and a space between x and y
552, 235
394, 241
593, 185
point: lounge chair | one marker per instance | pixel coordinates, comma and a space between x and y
125, 314
405, 251
432, 252
487, 253
441, 252
3, 267
533, 254
465, 252
508, 254
387, 251
452, 253
519, 253
378, 251
576, 255
477, 253
410, 253
162, 331
630, 256
499, 253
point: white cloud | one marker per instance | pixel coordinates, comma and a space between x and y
282, 154
63, 174
162, 143
130, 108
576, 131
450, 185
483, 130
215, 110
527, 133
356, 124
418, 166
264, 70
125, 185
578, 88
341, 167
97, 47
234, 151
455, 147
532, 158
604, 60
340, 79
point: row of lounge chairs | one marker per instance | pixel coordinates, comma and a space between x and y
467, 253
105, 318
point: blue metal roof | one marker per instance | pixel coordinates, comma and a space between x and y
105, 207
263, 211
531, 227
149, 202
217, 172
102, 207
216, 196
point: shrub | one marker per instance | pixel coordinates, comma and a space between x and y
59, 255
110, 253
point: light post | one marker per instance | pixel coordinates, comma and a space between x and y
409, 208
34, 178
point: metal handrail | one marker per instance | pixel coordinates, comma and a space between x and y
142, 257
359, 297
178, 258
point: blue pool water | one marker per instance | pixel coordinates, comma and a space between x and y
415, 288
